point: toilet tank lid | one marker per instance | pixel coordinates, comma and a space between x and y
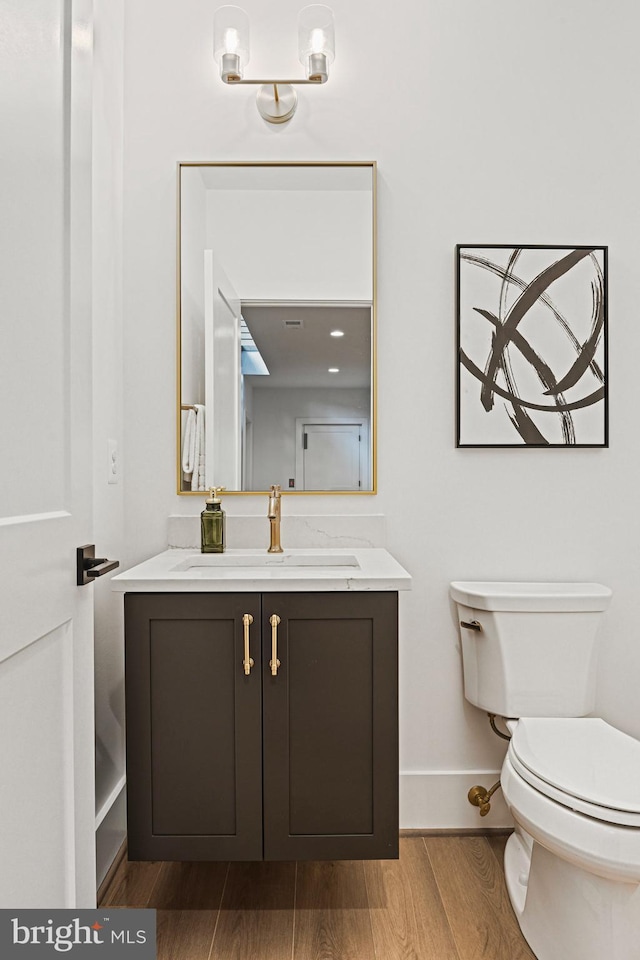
530, 597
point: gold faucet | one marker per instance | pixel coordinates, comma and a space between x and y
274, 519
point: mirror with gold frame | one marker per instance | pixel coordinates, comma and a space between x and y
276, 326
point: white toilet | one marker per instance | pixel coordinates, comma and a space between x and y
572, 783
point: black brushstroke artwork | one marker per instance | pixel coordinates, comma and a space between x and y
525, 297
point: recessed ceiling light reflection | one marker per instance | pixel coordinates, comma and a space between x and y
337, 333
333, 370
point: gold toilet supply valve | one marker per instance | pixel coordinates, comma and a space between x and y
481, 797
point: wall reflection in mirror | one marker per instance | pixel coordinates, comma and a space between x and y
277, 327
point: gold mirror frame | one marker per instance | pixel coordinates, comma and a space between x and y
374, 394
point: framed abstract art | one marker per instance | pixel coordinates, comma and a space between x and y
531, 346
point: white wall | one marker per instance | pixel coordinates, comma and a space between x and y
294, 244
506, 123
108, 499
192, 246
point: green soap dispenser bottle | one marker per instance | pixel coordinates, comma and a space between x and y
212, 524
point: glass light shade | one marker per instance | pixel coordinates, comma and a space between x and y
316, 41
231, 41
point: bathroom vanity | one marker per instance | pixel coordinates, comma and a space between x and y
261, 695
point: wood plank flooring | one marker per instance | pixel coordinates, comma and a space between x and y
444, 899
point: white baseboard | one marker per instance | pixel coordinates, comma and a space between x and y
111, 832
437, 800
102, 812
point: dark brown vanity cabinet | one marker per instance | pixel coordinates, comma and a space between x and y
296, 764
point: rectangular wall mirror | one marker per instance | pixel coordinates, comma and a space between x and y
276, 327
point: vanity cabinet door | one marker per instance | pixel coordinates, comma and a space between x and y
331, 726
194, 727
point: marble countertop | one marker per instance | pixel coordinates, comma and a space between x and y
323, 569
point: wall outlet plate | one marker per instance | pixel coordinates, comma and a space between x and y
113, 463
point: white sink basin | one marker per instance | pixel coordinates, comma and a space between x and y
252, 569
264, 560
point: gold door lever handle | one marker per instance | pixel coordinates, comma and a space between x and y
274, 663
247, 663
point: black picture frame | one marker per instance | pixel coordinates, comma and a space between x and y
531, 345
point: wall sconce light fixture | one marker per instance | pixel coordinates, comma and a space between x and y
277, 100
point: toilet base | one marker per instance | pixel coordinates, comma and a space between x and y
517, 864
566, 912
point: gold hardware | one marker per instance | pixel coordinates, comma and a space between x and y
273, 514
274, 663
237, 82
247, 663
481, 797
277, 101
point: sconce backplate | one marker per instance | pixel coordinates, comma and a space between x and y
277, 102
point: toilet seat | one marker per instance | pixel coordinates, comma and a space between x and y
584, 764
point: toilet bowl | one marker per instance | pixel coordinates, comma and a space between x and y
573, 865
572, 783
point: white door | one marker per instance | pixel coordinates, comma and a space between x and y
47, 817
223, 378
331, 456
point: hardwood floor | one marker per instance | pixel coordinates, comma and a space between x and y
444, 899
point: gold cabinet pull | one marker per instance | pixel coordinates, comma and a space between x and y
274, 663
247, 663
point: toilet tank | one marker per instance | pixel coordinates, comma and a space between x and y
530, 649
